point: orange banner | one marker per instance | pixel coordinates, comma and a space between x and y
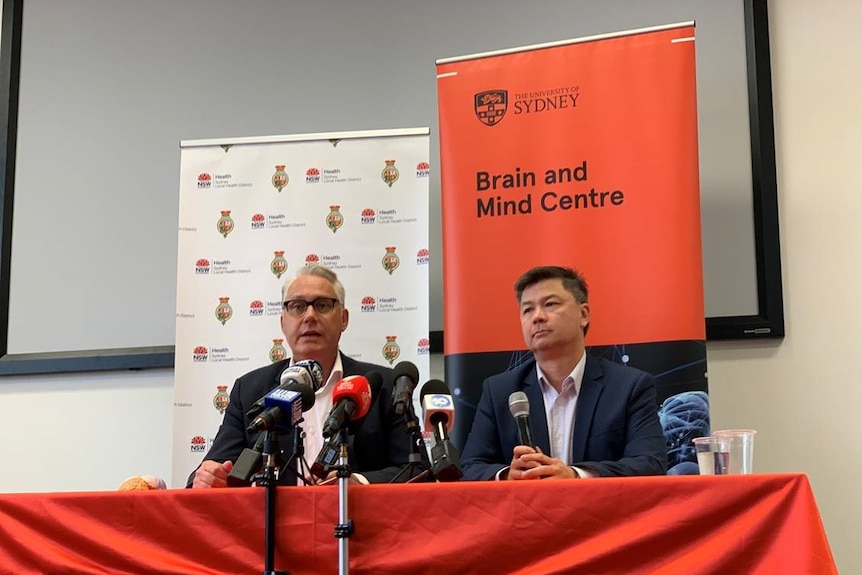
582, 154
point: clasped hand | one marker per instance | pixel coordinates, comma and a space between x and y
530, 463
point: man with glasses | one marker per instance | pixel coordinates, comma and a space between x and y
313, 318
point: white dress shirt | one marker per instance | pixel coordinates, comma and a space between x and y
315, 418
560, 409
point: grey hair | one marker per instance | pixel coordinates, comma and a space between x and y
321, 272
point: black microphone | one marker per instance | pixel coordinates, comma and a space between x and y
285, 405
307, 372
439, 413
519, 406
406, 378
247, 464
327, 457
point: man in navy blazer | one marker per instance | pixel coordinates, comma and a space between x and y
589, 417
312, 319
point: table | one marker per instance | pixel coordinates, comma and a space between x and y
751, 525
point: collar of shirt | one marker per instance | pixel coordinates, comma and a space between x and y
576, 378
560, 409
315, 418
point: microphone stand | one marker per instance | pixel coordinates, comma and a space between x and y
302, 471
414, 464
268, 478
344, 527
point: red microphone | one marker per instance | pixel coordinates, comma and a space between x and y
351, 400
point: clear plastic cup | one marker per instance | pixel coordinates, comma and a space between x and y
713, 455
741, 449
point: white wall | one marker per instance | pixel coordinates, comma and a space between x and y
81, 432
800, 393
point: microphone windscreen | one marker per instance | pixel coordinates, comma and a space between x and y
519, 405
434, 386
315, 372
284, 409
405, 368
357, 389
438, 407
306, 392
307, 372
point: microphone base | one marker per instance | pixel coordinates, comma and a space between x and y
247, 465
446, 463
417, 467
447, 472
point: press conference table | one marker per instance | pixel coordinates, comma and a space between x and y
755, 524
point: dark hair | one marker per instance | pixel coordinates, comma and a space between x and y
573, 282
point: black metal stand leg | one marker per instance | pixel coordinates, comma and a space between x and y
415, 469
269, 480
297, 465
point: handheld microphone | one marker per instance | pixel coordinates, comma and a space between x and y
307, 372
351, 400
439, 414
284, 407
406, 377
519, 406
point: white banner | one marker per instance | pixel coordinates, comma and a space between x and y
252, 211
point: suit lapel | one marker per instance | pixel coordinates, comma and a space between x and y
539, 421
588, 398
349, 366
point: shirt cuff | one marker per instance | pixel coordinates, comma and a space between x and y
361, 478
582, 473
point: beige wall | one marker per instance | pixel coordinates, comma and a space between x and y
804, 394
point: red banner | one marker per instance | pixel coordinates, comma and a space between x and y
581, 154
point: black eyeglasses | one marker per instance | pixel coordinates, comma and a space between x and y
321, 305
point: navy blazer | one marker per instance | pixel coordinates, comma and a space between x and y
378, 449
617, 429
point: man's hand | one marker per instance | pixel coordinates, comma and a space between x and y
528, 463
332, 477
212, 474
519, 466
